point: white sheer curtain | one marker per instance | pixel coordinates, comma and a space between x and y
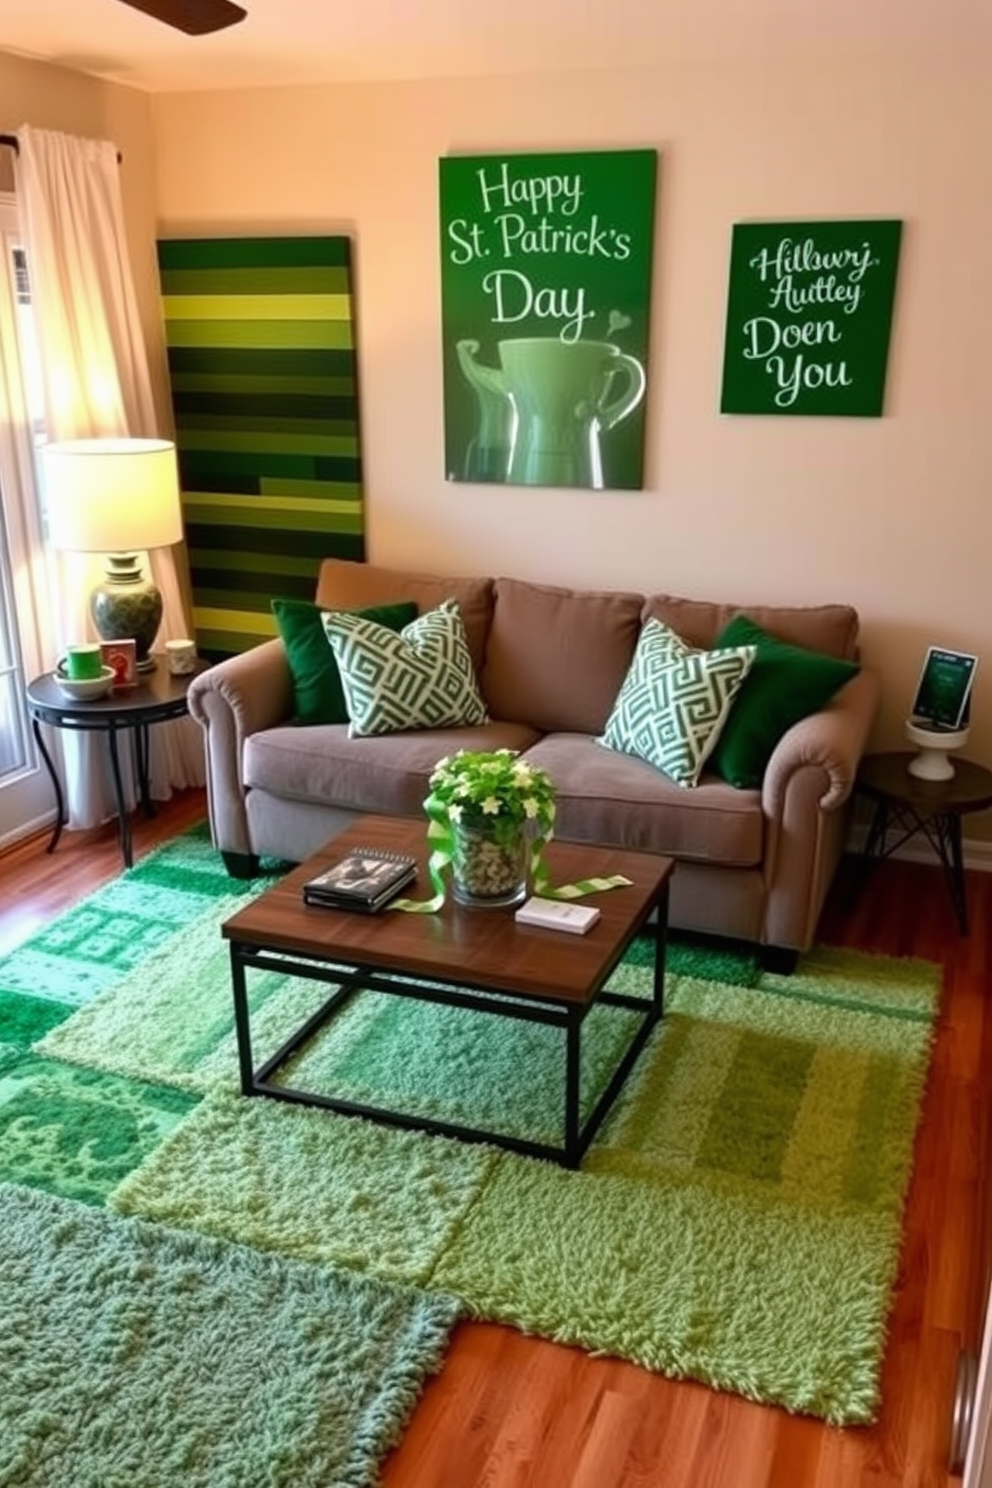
96, 382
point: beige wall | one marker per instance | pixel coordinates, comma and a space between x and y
56, 98
890, 514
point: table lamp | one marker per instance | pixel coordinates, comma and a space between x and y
119, 497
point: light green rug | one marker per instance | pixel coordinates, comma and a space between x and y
736, 1221
137, 1356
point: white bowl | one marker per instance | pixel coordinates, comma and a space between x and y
90, 689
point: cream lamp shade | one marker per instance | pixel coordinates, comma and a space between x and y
112, 495
118, 497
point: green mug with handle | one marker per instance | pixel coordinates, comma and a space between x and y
564, 395
82, 662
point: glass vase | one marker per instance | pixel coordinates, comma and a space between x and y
489, 864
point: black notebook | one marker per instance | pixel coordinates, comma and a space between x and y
364, 879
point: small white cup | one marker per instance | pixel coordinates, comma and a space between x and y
180, 657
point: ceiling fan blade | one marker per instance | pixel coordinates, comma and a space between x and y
195, 17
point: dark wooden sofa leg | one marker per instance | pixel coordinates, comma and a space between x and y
780, 959
241, 865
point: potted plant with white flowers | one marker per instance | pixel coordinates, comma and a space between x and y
491, 814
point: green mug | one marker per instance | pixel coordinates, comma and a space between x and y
81, 663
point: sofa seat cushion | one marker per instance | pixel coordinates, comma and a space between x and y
557, 657
619, 800
830, 628
386, 774
344, 585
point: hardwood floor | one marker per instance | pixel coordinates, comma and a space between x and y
35, 886
507, 1411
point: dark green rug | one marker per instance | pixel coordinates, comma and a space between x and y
137, 1356
737, 1220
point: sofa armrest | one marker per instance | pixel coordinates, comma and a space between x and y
805, 798
230, 701
833, 739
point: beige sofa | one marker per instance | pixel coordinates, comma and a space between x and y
751, 864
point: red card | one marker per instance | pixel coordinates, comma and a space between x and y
122, 656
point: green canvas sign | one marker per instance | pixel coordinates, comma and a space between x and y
808, 317
546, 303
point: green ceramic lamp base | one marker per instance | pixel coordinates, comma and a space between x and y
127, 605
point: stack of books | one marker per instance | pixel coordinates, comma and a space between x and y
365, 879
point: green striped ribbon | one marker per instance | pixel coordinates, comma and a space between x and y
441, 839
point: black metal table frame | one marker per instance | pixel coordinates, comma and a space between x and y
132, 718
556, 1013
942, 830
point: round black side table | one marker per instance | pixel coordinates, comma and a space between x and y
907, 805
156, 697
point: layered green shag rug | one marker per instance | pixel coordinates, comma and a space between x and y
143, 1356
736, 1221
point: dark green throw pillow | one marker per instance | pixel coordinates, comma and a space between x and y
317, 693
785, 683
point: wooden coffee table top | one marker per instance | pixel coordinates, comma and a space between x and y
484, 947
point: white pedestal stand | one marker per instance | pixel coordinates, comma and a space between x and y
932, 762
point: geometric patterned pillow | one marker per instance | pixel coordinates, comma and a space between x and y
421, 678
674, 701
318, 696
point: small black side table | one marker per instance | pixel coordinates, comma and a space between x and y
157, 696
934, 807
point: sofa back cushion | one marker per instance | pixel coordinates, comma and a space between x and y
831, 629
344, 585
556, 658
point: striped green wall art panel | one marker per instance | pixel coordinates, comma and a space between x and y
260, 335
